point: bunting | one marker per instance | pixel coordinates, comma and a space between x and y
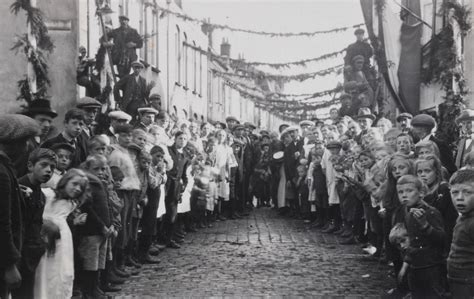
259, 75
211, 26
239, 63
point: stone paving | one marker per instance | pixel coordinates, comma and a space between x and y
263, 255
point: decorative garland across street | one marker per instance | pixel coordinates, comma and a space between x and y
211, 26
283, 106
37, 57
239, 63
282, 97
300, 77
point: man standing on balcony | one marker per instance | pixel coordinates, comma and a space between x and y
126, 41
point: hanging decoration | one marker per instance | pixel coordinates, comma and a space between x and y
36, 56
239, 63
282, 106
445, 67
259, 75
212, 26
283, 97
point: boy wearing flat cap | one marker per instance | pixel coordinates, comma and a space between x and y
16, 129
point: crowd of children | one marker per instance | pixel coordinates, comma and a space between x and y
395, 190
86, 207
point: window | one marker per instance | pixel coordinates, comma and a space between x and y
186, 60
200, 74
195, 68
178, 54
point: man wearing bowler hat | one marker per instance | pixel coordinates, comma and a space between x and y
126, 40
133, 89
40, 110
423, 126
466, 121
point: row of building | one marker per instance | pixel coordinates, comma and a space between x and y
185, 78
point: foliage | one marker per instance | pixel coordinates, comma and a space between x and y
36, 56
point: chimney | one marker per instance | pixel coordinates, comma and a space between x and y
225, 48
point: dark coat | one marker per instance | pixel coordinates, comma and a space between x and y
426, 245
79, 155
441, 200
121, 37
33, 245
11, 215
445, 154
133, 94
462, 152
290, 162
97, 209
21, 164
177, 173
358, 48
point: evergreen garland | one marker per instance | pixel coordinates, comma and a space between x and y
37, 57
444, 69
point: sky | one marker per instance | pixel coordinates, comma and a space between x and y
283, 16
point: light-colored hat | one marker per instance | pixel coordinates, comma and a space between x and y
306, 123
365, 113
138, 63
290, 129
278, 156
16, 127
466, 115
120, 115
144, 110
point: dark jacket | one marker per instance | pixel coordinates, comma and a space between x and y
445, 154
358, 48
441, 200
97, 209
133, 93
121, 37
289, 160
426, 245
461, 256
11, 217
79, 155
33, 245
177, 173
462, 152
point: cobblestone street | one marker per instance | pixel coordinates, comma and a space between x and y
261, 255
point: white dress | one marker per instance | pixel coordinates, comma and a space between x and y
55, 274
185, 205
224, 161
282, 188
